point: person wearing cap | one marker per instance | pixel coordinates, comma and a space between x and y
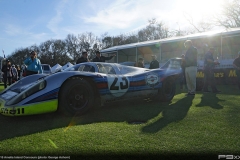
100, 58
139, 63
83, 58
7, 73
33, 64
209, 65
155, 63
190, 67
236, 65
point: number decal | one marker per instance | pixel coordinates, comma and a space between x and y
122, 85
118, 85
113, 86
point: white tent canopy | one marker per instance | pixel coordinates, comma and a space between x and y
56, 68
66, 65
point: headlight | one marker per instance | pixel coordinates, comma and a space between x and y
28, 92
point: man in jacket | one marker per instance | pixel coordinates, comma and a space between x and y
83, 58
236, 64
190, 67
100, 58
155, 63
209, 64
139, 63
7, 73
33, 64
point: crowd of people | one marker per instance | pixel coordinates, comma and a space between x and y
189, 69
99, 58
12, 74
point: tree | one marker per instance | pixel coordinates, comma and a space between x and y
230, 15
204, 25
153, 31
72, 46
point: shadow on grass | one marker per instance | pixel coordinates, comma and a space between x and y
19, 126
132, 112
140, 111
173, 113
211, 100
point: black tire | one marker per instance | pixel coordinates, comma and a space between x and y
76, 97
168, 90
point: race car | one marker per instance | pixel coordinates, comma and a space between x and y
84, 86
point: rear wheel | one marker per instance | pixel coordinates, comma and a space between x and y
168, 90
76, 97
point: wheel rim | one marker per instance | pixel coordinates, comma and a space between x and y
78, 97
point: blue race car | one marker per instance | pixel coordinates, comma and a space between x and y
84, 86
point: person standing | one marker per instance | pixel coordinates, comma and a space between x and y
139, 63
236, 65
183, 79
190, 67
209, 64
100, 58
7, 74
33, 64
14, 74
19, 72
83, 58
155, 63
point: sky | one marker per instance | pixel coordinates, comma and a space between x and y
24, 23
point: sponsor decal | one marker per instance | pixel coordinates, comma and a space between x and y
231, 73
12, 111
152, 79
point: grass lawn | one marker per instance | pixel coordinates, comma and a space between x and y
201, 125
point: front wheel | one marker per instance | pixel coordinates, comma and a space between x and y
76, 97
168, 90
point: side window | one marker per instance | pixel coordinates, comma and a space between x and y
106, 69
110, 70
86, 68
165, 66
175, 64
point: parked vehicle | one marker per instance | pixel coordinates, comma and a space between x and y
84, 86
46, 68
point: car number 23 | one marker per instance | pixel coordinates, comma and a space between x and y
118, 85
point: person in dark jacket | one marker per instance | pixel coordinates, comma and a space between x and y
155, 63
83, 58
7, 73
209, 65
100, 58
190, 67
236, 64
139, 63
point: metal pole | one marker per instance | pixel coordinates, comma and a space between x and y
160, 50
221, 47
136, 54
117, 56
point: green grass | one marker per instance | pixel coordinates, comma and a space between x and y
206, 123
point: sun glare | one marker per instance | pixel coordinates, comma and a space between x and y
201, 8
